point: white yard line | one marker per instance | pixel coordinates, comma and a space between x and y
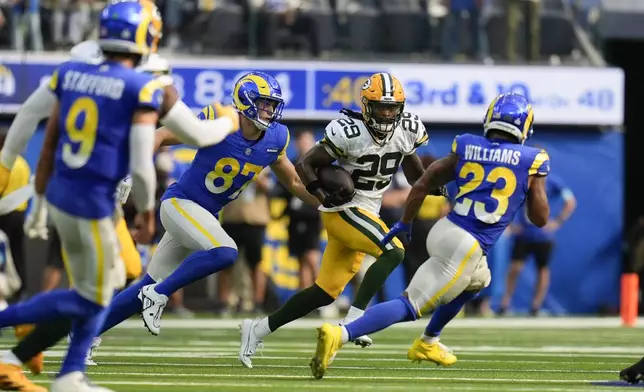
331, 377
412, 387
508, 322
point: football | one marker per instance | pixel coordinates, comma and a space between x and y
333, 177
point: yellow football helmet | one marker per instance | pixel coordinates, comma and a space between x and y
383, 100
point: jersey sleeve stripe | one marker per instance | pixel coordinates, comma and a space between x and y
454, 144
422, 140
337, 153
288, 140
538, 161
146, 94
53, 82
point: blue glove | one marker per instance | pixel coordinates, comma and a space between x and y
396, 229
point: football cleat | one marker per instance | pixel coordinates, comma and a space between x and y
329, 342
13, 379
634, 373
152, 305
362, 341
89, 360
433, 352
250, 342
75, 382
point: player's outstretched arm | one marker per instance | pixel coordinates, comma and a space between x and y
538, 207
287, 176
307, 168
437, 174
164, 137
46, 162
36, 107
178, 117
142, 142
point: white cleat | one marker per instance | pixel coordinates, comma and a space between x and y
89, 361
75, 382
250, 342
152, 305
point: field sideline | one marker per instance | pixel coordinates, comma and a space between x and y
510, 354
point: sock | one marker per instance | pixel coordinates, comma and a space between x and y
376, 276
445, 313
47, 307
43, 336
381, 316
353, 314
299, 305
196, 266
10, 359
83, 333
125, 304
345, 335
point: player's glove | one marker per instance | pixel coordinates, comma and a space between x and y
396, 229
123, 190
36, 223
4, 177
338, 197
440, 191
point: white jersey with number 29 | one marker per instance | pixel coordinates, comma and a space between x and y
371, 165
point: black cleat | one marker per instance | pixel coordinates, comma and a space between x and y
633, 374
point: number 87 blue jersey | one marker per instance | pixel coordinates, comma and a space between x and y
492, 179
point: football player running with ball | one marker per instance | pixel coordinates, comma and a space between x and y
495, 175
371, 145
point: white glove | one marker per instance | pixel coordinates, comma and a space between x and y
123, 190
36, 223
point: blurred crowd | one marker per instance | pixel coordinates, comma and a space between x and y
451, 30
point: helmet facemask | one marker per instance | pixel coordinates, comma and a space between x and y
268, 110
382, 118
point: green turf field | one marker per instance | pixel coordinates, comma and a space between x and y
540, 355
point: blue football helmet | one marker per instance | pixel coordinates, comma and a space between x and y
130, 26
510, 113
258, 97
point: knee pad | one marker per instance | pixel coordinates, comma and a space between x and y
481, 278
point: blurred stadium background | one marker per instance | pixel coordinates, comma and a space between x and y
576, 60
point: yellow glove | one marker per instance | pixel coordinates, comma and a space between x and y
228, 111
4, 178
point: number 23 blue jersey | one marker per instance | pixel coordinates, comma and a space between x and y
492, 179
219, 173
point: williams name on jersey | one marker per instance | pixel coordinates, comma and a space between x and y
371, 163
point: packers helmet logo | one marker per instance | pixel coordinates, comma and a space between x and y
367, 84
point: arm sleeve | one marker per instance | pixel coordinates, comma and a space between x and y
37, 107
142, 166
191, 131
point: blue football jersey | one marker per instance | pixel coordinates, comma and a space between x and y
492, 179
97, 103
219, 173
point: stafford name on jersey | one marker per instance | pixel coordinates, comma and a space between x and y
503, 155
84, 83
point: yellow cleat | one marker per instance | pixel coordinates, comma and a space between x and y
37, 363
329, 342
434, 352
13, 379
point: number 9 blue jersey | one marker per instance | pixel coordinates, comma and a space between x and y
492, 179
97, 103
